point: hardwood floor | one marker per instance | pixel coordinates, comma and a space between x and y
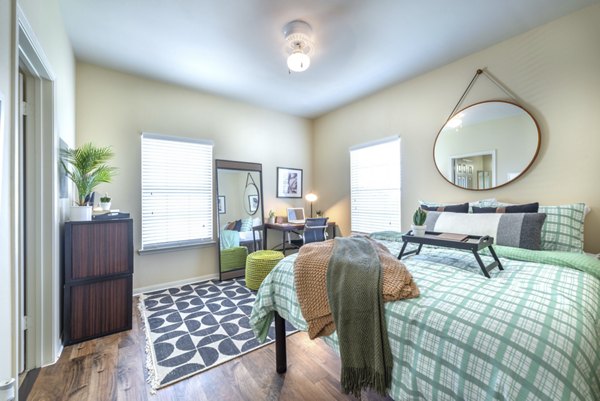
113, 368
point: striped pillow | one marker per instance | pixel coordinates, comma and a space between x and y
520, 230
246, 224
563, 229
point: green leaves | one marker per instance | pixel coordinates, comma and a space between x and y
419, 217
88, 168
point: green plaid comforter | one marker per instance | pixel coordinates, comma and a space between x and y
532, 332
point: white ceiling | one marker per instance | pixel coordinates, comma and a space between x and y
235, 48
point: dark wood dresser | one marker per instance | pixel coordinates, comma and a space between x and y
98, 278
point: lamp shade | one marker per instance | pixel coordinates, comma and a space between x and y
298, 61
311, 197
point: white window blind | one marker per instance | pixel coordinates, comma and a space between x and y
375, 186
177, 177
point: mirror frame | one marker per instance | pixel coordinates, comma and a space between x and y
258, 192
533, 158
240, 166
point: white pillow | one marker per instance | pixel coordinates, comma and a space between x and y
521, 230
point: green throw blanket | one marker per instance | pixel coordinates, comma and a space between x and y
354, 285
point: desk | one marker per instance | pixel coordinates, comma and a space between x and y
286, 228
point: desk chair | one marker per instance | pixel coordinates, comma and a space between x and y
314, 230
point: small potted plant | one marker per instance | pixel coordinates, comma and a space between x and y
271, 217
418, 227
319, 213
86, 167
105, 202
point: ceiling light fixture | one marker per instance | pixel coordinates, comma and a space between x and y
299, 45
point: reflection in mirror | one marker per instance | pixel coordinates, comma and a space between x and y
251, 199
486, 145
240, 214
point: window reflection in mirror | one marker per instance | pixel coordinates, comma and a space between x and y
487, 145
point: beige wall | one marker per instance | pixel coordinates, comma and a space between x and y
46, 20
553, 69
113, 108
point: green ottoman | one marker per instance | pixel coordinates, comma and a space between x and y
258, 265
233, 258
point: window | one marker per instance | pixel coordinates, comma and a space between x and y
177, 202
375, 186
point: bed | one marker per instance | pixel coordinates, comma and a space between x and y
249, 235
531, 332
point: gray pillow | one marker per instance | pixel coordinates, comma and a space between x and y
520, 230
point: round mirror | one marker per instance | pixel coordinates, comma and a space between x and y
251, 199
487, 145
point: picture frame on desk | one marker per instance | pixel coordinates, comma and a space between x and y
289, 182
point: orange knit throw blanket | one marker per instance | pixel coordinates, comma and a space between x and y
310, 277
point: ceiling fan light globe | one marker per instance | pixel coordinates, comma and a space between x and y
298, 61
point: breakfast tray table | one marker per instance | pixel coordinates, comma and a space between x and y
471, 243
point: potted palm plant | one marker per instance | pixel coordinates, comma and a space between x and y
86, 167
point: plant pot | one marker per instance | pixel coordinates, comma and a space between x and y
271, 220
81, 213
105, 205
418, 231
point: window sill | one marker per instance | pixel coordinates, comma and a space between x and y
174, 248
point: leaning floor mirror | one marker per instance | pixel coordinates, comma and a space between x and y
240, 214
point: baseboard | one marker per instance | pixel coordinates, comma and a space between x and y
59, 352
170, 284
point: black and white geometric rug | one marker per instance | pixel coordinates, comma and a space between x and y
195, 327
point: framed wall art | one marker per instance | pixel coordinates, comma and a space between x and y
289, 182
252, 203
221, 204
